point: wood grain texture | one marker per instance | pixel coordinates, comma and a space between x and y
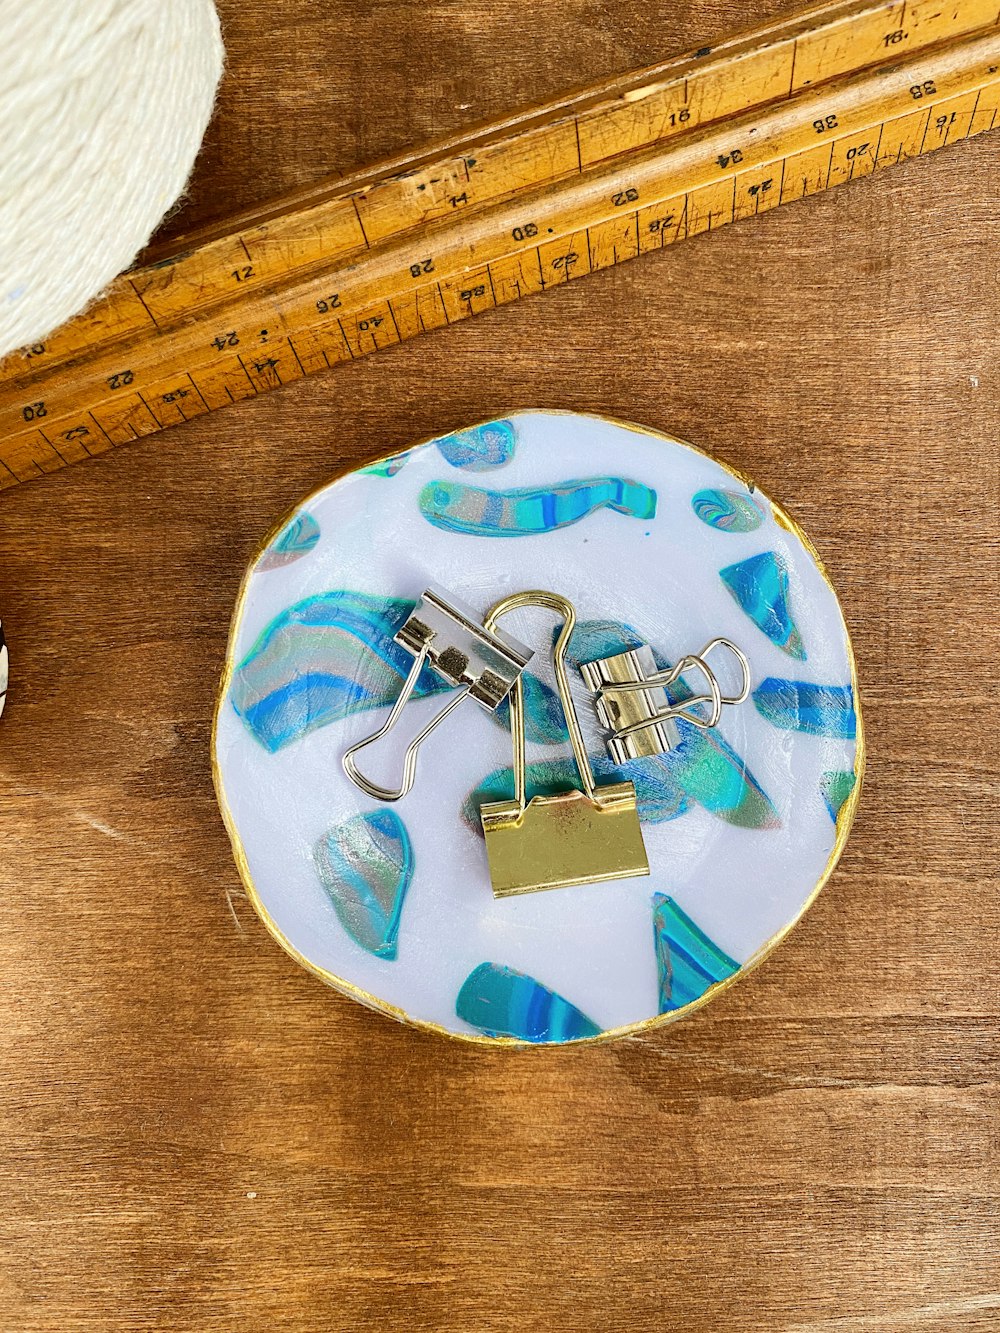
195, 1134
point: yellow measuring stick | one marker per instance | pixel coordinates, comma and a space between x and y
537, 200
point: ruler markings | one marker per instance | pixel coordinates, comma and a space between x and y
763, 160
927, 125
747, 149
826, 23
53, 447
246, 372
347, 342
360, 223
198, 391
22, 466
101, 429
144, 305
291, 346
159, 424
878, 146
74, 449
972, 113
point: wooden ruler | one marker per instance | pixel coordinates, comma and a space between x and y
543, 198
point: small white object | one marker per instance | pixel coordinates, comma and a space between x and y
103, 106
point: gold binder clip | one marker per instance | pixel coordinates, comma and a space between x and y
632, 700
575, 837
483, 663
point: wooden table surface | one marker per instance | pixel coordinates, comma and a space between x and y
194, 1133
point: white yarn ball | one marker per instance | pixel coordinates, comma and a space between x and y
103, 105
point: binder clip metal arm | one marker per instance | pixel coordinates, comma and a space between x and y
482, 663
632, 701
582, 836
553, 602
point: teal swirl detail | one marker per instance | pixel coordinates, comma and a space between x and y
760, 587
702, 769
295, 541
366, 867
727, 511
388, 467
687, 961
528, 512
798, 705
333, 655
545, 722
503, 1003
322, 660
480, 449
659, 795
836, 787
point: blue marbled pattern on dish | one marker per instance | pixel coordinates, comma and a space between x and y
727, 511
532, 510
544, 721
659, 795
295, 541
322, 660
738, 822
387, 467
594, 639
709, 771
701, 769
480, 449
760, 587
798, 705
503, 1003
836, 787
687, 961
366, 867
333, 655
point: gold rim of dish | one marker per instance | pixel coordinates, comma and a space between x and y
845, 817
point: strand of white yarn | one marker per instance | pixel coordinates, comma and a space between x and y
103, 107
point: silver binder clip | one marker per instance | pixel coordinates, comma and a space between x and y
482, 664
633, 705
